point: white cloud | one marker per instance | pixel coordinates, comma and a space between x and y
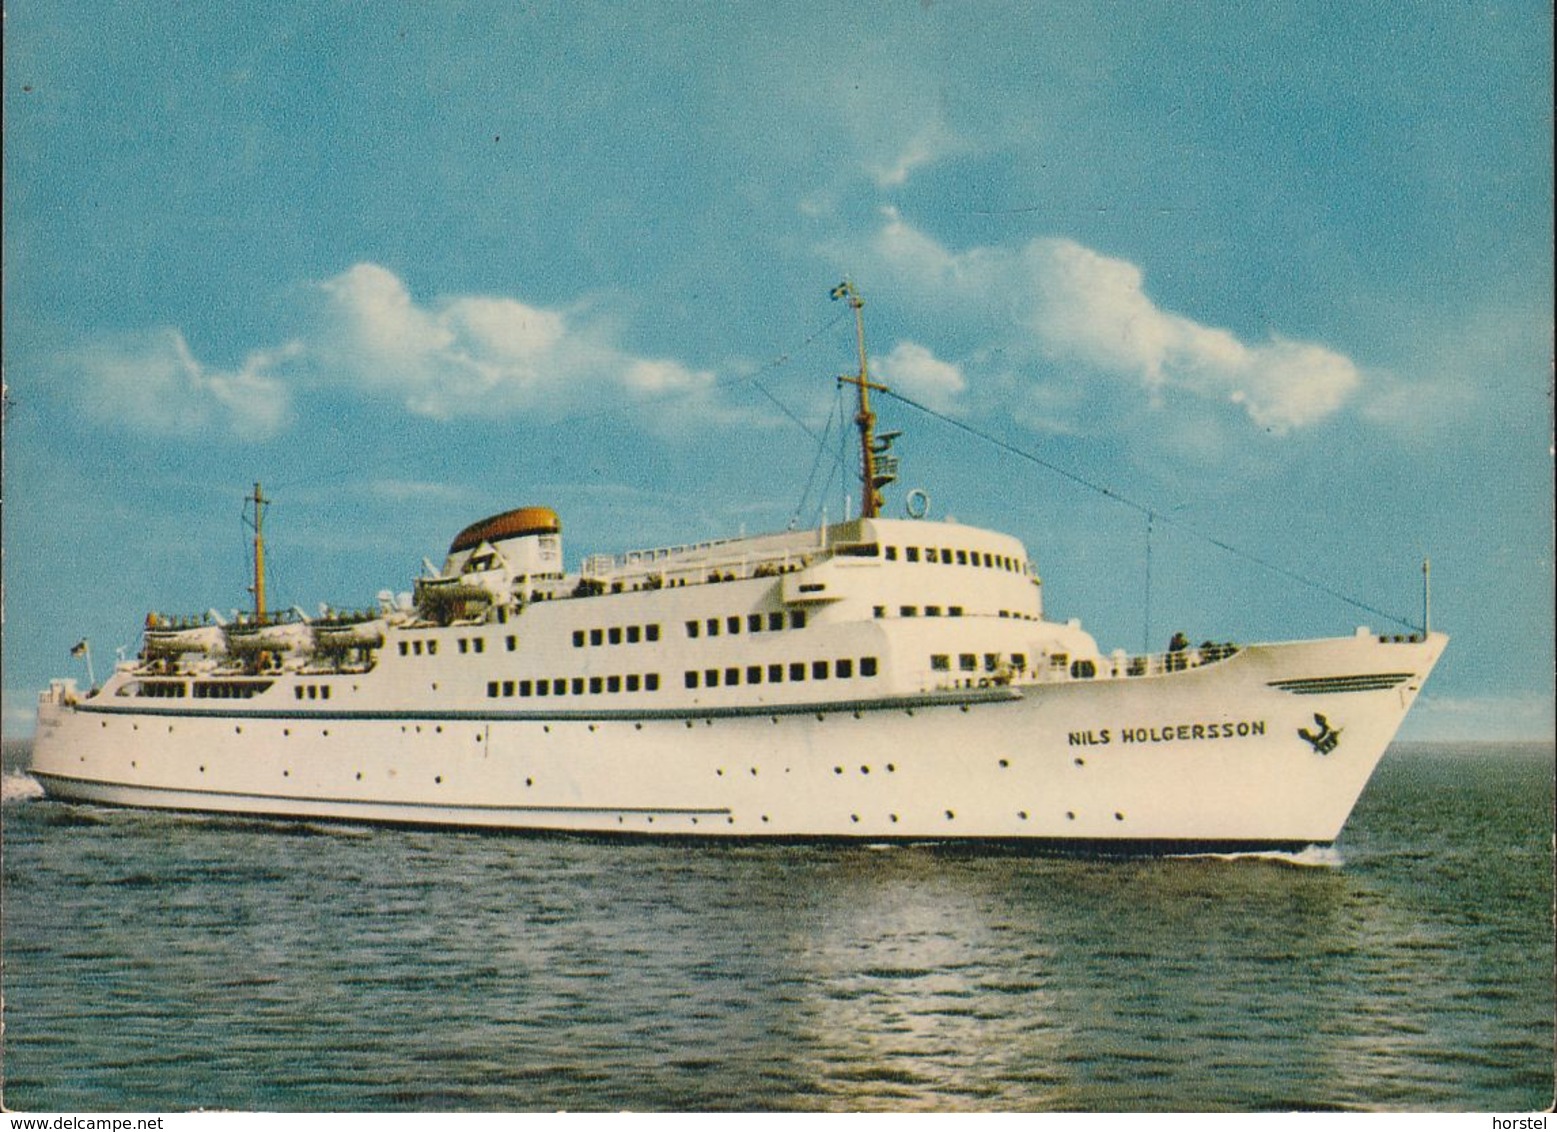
475, 355
1077, 305
153, 382
914, 370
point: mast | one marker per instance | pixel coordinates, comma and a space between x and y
259, 554
877, 468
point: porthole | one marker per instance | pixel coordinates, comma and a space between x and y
950, 816
893, 817
864, 770
1022, 814
837, 770
438, 778
1118, 816
1004, 763
854, 818
1080, 762
1070, 815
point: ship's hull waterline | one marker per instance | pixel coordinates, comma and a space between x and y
1269, 748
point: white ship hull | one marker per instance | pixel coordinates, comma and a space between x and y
876, 679
1223, 756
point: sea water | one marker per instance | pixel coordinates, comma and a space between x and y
162, 962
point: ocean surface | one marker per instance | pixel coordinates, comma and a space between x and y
158, 962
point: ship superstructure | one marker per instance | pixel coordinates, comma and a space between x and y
876, 678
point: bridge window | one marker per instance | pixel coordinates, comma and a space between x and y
867, 666
843, 668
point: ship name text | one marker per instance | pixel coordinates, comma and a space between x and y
1168, 732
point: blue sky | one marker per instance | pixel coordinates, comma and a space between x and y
1280, 272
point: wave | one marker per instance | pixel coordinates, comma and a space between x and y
16, 786
1309, 857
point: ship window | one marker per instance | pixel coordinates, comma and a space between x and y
732, 676
931, 554
775, 674
843, 668
595, 684
962, 558
481, 644
692, 628
754, 622
1019, 660
797, 670
867, 666
908, 611
733, 624
616, 634
298, 690
578, 685
634, 634
691, 679
596, 636
651, 682
989, 559
891, 554
713, 626
492, 688
946, 557
632, 683
754, 674
403, 649
711, 677
578, 638
511, 641
968, 662
508, 687
932, 611
797, 619
613, 683
525, 688
880, 611
464, 645
991, 661
651, 632
954, 611
940, 662
543, 687
775, 622
819, 670
432, 648
913, 554
416, 647
313, 691
502, 615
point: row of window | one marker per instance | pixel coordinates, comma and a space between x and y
948, 556
969, 662
429, 647
616, 635
754, 622
312, 691
203, 689
577, 685
913, 611
842, 668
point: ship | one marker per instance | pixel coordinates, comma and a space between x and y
876, 679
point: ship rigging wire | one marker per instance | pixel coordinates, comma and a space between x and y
1151, 513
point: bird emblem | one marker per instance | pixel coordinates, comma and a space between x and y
1325, 739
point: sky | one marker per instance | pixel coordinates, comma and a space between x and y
1233, 313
